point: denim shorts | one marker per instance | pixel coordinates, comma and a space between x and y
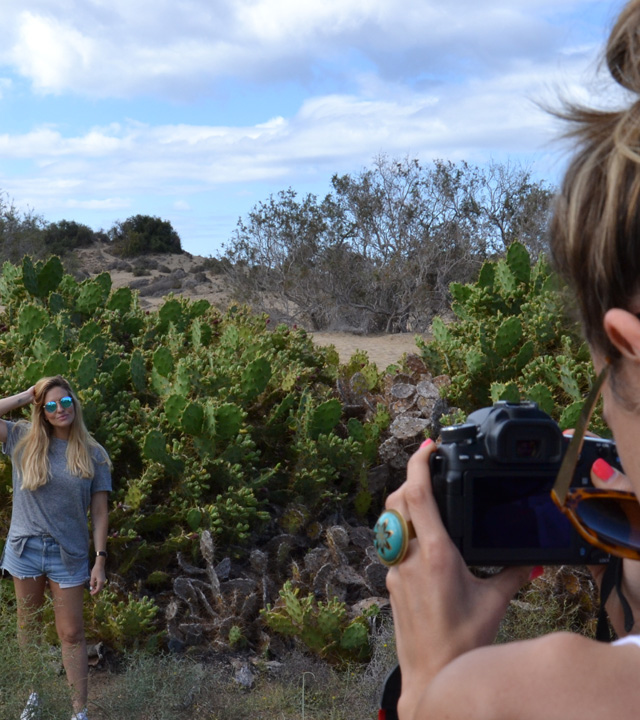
41, 556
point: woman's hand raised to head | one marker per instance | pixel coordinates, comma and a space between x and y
29, 395
440, 609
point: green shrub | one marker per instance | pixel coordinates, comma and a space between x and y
512, 340
141, 234
66, 235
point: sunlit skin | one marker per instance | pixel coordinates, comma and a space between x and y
62, 419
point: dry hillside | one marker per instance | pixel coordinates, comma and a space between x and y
155, 276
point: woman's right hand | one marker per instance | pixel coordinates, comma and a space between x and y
440, 609
29, 396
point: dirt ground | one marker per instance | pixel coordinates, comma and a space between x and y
383, 350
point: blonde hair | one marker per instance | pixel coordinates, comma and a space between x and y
31, 451
595, 230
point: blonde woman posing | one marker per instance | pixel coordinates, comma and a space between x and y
59, 473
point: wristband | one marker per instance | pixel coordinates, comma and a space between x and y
101, 553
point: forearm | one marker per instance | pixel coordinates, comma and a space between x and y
554, 677
14, 402
100, 520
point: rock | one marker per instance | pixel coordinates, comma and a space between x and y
363, 605
406, 428
389, 449
427, 389
376, 575
377, 478
402, 391
244, 675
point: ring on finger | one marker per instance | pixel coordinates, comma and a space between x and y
392, 535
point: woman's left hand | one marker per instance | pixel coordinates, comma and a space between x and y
440, 609
98, 579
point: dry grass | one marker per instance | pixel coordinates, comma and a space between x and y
299, 687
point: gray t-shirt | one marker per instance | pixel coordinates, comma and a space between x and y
58, 508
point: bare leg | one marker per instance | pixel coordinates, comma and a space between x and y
67, 605
30, 598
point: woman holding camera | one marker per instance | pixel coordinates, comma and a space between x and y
59, 473
446, 619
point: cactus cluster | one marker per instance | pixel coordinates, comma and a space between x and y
214, 422
512, 341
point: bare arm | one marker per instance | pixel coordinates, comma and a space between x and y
13, 403
555, 677
100, 523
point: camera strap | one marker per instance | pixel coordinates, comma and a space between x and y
390, 695
612, 578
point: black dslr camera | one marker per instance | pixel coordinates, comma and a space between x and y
492, 478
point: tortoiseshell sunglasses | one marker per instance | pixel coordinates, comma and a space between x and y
608, 519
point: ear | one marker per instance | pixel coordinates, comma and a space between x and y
623, 329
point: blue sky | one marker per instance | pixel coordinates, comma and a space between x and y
197, 110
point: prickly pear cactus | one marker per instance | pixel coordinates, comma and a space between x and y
31, 319
324, 418
217, 425
163, 361
512, 341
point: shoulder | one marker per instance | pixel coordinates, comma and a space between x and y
16, 430
98, 454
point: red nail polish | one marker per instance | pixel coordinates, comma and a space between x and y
537, 571
428, 441
603, 470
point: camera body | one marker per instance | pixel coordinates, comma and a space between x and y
492, 478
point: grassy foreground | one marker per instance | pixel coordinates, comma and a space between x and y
297, 687
163, 687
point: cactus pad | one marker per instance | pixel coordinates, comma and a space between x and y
256, 377
192, 419
57, 364
163, 361
138, 371
121, 300
86, 372
324, 418
31, 319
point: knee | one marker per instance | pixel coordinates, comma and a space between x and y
71, 635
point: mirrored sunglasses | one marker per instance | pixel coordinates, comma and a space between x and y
608, 519
65, 403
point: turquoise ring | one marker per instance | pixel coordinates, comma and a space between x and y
392, 535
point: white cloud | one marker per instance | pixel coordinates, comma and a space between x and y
344, 81
328, 134
49, 52
120, 48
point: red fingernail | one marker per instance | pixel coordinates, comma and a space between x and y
428, 441
537, 571
603, 470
